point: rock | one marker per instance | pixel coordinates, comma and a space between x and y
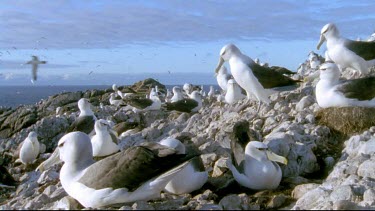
48, 176
276, 201
344, 192
305, 102
220, 167
369, 196
142, 205
231, 202
313, 199
367, 169
300, 190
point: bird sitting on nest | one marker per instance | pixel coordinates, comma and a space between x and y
188, 105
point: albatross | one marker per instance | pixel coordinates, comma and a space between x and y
35, 63
192, 177
192, 104
139, 173
104, 142
145, 104
177, 94
255, 167
223, 77
234, 92
30, 148
331, 92
358, 55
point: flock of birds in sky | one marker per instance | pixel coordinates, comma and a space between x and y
131, 175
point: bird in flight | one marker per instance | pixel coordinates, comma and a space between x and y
35, 62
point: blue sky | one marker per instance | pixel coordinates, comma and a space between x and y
105, 42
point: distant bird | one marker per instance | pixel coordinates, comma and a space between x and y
139, 173
91, 72
223, 77
177, 94
234, 92
192, 177
188, 88
114, 101
192, 104
358, 55
59, 111
30, 148
35, 62
330, 92
168, 96
145, 104
104, 142
211, 93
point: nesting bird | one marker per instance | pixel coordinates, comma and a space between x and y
177, 94
145, 104
331, 92
358, 55
223, 77
192, 104
136, 174
234, 92
192, 177
104, 142
30, 149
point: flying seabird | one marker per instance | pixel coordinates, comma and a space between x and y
223, 77
358, 55
192, 104
254, 165
139, 173
104, 142
35, 62
330, 92
234, 92
192, 177
177, 94
30, 148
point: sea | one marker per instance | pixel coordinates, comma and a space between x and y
14, 96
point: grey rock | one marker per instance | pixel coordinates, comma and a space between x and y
48, 176
369, 196
276, 201
142, 205
305, 102
300, 190
344, 192
66, 203
367, 169
231, 202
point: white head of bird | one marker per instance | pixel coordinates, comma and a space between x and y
259, 151
33, 136
101, 125
176, 90
329, 71
85, 107
114, 87
196, 95
329, 30
226, 53
187, 88
76, 150
175, 144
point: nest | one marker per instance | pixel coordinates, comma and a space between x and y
347, 120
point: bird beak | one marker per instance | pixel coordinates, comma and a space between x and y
52, 160
277, 158
321, 41
221, 62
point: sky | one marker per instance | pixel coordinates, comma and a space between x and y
116, 41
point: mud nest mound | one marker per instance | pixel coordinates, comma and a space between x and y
347, 120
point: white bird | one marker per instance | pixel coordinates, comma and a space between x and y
331, 92
223, 77
188, 88
177, 94
192, 104
211, 93
114, 87
35, 63
314, 62
192, 177
255, 168
113, 101
234, 92
358, 55
126, 176
104, 142
242, 73
168, 96
30, 148
59, 112
145, 104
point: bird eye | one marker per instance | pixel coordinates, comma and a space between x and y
262, 149
62, 144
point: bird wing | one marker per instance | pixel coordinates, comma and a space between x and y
361, 88
364, 49
34, 71
84, 124
124, 126
239, 140
185, 105
270, 78
139, 103
132, 167
282, 70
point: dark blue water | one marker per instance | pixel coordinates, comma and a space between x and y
13, 96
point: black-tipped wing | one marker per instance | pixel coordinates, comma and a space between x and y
270, 78
197, 164
140, 103
185, 105
84, 124
132, 167
239, 140
364, 49
124, 126
282, 70
361, 88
